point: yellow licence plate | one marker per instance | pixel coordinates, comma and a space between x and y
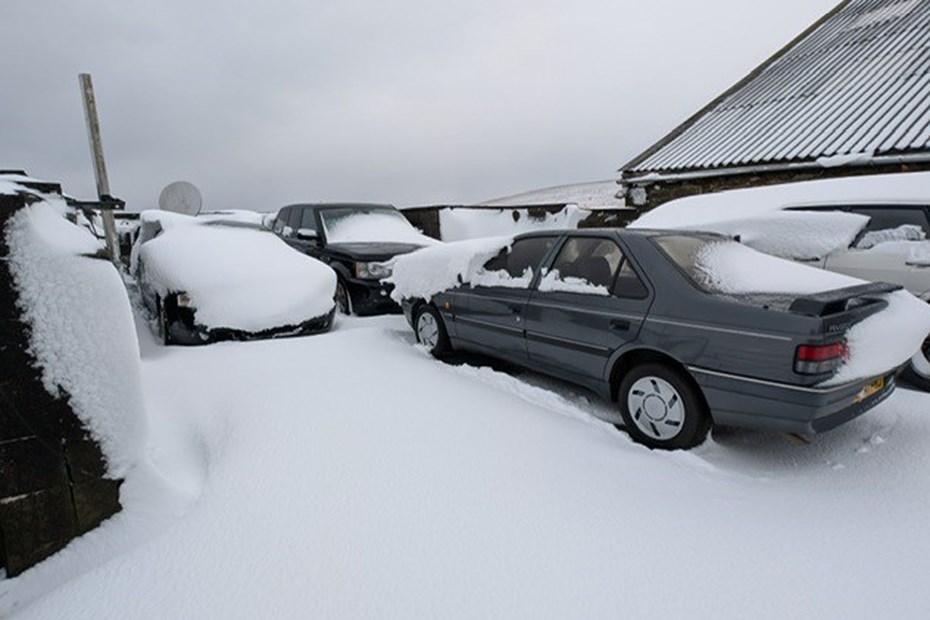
872, 388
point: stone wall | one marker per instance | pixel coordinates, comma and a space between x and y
52, 484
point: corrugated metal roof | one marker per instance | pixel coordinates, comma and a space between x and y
858, 83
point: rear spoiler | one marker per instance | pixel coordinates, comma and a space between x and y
833, 302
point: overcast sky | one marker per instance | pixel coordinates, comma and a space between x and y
409, 102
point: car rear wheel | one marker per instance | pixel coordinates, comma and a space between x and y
431, 332
917, 372
343, 300
662, 409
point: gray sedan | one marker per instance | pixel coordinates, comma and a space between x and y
624, 313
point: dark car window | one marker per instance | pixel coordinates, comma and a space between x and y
293, 219
885, 218
307, 220
686, 252
628, 284
281, 221
523, 254
589, 259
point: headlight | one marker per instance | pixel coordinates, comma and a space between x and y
184, 300
372, 271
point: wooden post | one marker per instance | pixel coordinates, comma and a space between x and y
100, 167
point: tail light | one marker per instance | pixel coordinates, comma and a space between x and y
817, 359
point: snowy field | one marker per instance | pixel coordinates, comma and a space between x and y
350, 475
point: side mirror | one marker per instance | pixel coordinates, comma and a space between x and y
307, 234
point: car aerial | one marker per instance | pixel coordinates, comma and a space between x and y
358, 241
222, 277
653, 320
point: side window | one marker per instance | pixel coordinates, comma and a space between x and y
891, 224
523, 254
293, 220
891, 217
584, 265
628, 284
280, 222
307, 220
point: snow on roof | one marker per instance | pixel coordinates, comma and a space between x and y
83, 336
585, 195
694, 211
853, 87
238, 277
457, 224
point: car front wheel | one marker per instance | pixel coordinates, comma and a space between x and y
917, 372
431, 332
343, 300
662, 409
163, 325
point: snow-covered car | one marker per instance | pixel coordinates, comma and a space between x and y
677, 328
847, 226
221, 277
358, 241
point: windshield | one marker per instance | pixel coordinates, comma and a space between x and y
368, 224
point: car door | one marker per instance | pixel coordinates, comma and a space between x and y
492, 318
590, 301
305, 235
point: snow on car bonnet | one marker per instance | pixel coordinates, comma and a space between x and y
432, 270
877, 344
371, 227
237, 278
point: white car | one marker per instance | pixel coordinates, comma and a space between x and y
222, 277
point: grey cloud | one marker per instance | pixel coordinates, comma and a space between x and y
406, 102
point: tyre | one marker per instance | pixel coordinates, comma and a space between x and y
917, 371
163, 327
662, 409
343, 299
430, 331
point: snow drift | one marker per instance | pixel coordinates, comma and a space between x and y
83, 335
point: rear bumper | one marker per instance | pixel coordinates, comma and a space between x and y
751, 403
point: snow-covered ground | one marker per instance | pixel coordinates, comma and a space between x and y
350, 475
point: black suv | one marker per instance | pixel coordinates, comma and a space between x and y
356, 240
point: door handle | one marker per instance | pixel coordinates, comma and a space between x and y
620, 325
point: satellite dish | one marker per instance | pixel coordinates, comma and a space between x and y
180, 197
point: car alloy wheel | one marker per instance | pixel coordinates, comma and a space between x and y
427, 330
430, 331
662, 407
656, 408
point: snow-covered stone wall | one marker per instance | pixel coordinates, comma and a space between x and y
71, 411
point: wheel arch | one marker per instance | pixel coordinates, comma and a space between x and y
635, 357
